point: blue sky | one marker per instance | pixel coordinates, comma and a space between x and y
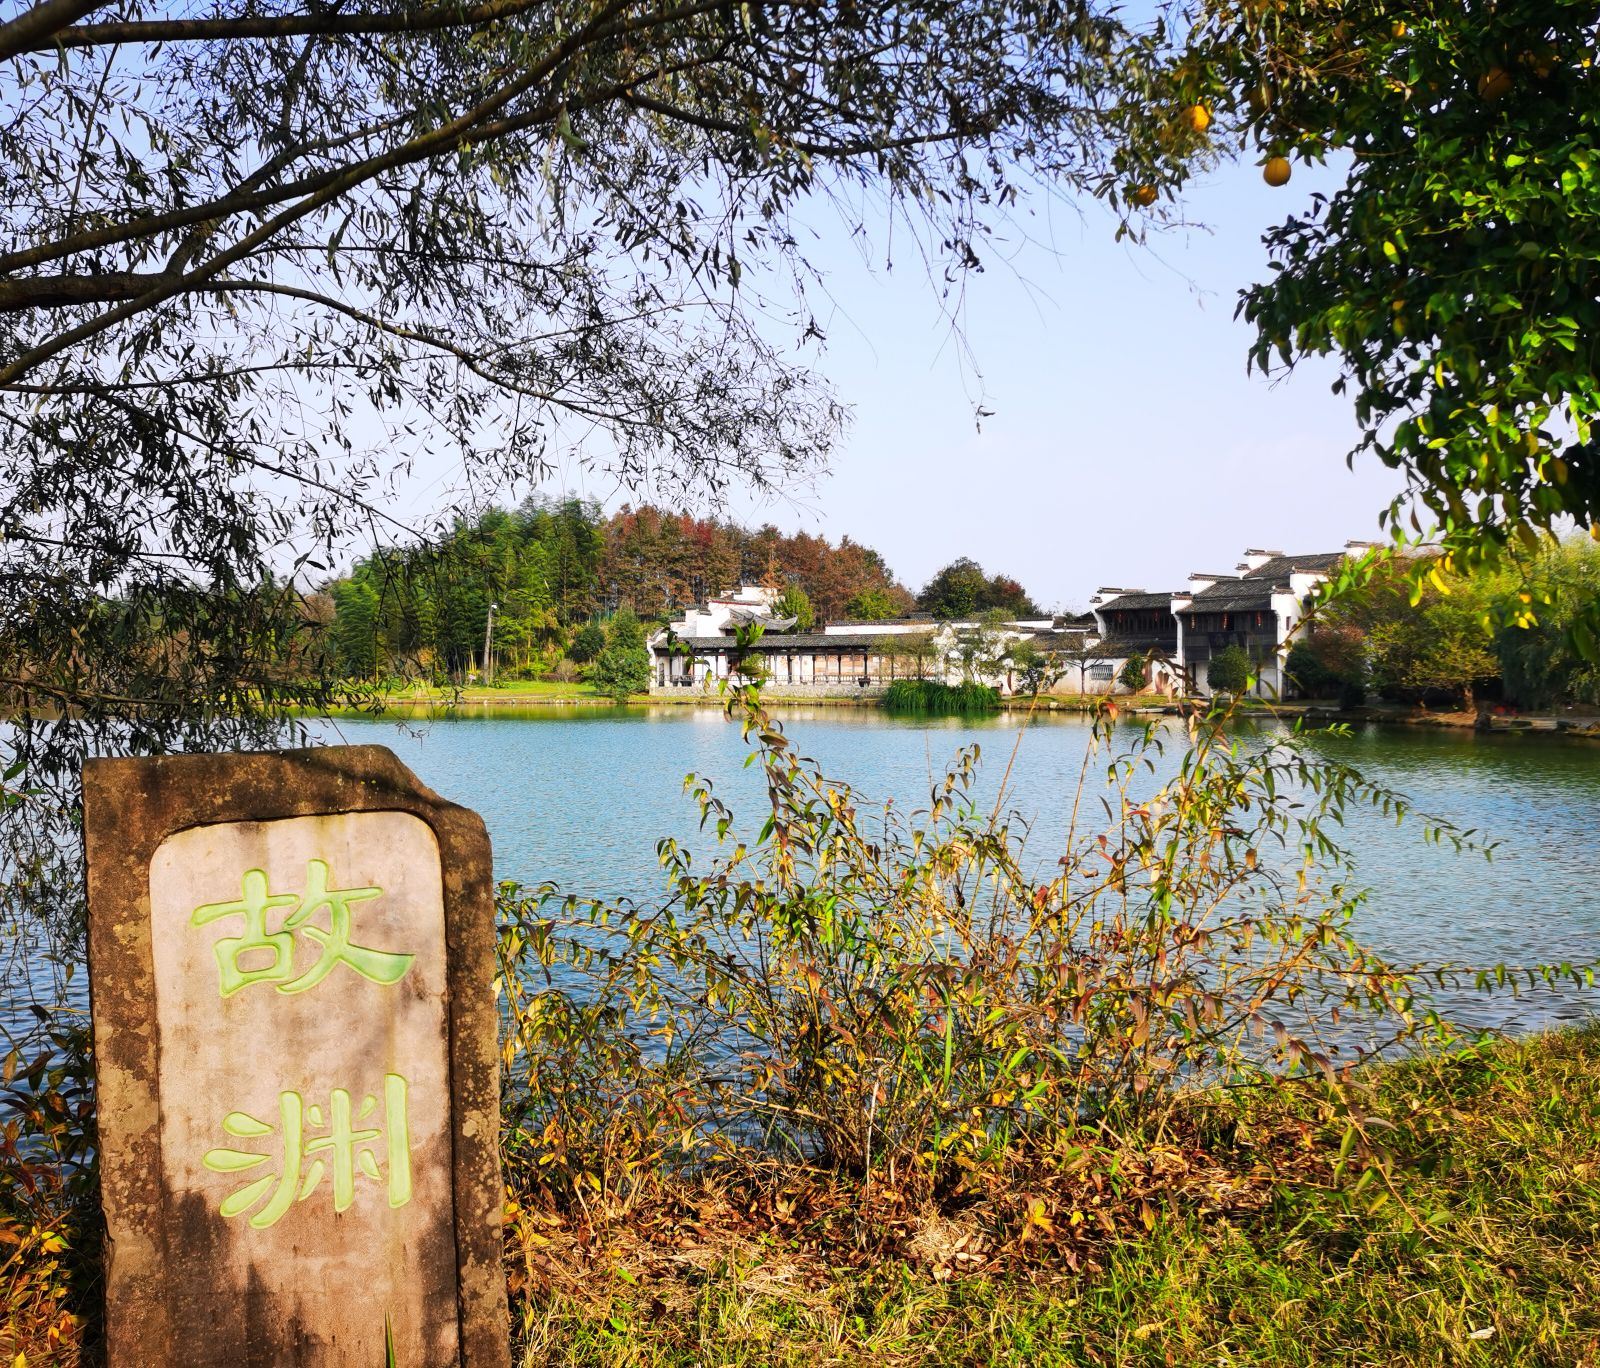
1127, 443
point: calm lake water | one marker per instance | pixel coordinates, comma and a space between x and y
580, 797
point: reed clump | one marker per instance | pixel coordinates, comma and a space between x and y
934, 698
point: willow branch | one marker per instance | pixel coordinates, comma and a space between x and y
600, 29
34, 28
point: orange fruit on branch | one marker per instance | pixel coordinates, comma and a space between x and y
1494, 83
1276, 171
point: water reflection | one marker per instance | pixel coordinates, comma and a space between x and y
581, 795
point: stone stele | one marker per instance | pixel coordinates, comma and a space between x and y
291, 972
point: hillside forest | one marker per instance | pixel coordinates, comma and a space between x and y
559, 571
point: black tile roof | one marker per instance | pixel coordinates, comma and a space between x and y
1132, 601
1233, 596
740, 618
1281, 567
1253, 592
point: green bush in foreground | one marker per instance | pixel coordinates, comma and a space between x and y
938, 699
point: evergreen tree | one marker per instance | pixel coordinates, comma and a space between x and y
589, 641
1536, 650
873, 605
1229, 671
355, 628
623, 668
796, 603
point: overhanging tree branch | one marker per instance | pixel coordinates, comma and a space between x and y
264, 259
330, 23
242, 201
475, 125
32, 28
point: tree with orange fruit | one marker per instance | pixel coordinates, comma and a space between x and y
1454, 272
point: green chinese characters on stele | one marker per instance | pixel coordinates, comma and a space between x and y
256, 905
344, 1140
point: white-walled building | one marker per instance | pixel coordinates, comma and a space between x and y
1259, 606
1130, 623
748, 603
702, 648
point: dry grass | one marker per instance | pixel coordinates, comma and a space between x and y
1484, 1251
1248, 1253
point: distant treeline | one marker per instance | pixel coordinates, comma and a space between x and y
553, 567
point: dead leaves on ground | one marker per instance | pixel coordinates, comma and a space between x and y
792, 1227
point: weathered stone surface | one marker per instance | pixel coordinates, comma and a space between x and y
291, 970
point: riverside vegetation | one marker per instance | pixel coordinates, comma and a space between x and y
1205, 1198
887, 1181
869, 1081
867, 1075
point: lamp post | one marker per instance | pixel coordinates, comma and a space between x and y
488, 646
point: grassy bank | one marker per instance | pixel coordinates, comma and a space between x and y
1484, 1251
526, 691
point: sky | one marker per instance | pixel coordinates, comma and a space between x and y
1125, 444
1128, 444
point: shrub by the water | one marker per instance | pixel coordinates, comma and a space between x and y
1230, 670
865, 1031
881, 992
939, 699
